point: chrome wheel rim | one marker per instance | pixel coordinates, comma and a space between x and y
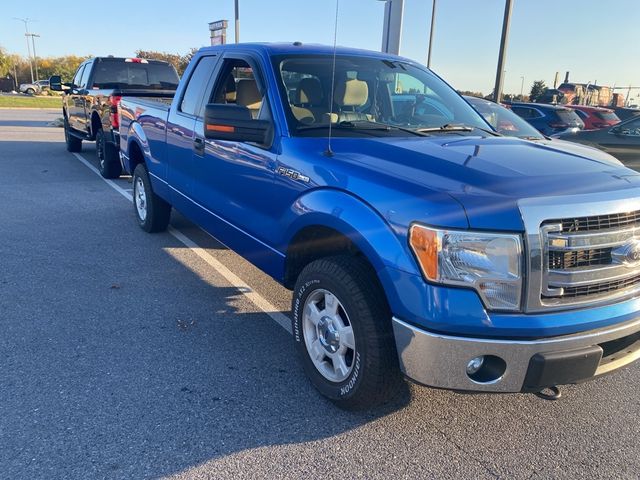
328, 335
140, 199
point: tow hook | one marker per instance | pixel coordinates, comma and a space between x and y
549, 393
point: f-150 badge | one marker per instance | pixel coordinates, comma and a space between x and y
287, 172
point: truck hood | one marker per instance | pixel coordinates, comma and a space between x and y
488, 176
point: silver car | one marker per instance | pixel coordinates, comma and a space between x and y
34, 88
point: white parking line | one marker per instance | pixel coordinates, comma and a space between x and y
253, 296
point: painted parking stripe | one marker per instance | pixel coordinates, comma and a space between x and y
253, 296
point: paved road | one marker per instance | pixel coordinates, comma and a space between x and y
126, 355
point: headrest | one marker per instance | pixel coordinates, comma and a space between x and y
352, 93
247, 93
230, 89
309, 91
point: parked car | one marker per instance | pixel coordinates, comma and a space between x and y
625, 113
622, 141
595, 117
90, 101
548, 119
34, 88
507, 123
415, 240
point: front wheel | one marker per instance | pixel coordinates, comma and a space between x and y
152, 212
108, 161
343, 334
30, 91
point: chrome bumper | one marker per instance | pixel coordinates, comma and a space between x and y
440, 360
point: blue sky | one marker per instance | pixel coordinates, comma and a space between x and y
595, 40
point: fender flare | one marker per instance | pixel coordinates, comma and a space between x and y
359, 222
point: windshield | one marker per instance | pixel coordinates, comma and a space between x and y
503, 120
121, 74
367, 92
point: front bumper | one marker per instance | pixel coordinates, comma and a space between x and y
441, 361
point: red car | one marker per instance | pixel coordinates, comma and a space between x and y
595, 117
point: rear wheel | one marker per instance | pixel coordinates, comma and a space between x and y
342, 331
152, 212
74, 144
30, 91
109, 163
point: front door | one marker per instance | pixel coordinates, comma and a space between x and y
236, 179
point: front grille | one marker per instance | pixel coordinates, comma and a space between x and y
579, 258
592, 257
599, 222
599, 288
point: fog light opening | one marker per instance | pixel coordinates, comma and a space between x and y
486, 369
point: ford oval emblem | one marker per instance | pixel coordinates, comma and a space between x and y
627, 254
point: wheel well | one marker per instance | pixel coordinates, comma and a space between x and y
136, 157
95, 124
312, 243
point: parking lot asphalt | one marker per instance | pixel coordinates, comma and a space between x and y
128, 355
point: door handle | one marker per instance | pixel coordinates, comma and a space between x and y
198, 145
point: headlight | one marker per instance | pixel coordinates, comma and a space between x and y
488, 262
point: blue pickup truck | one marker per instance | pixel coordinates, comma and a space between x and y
416, 239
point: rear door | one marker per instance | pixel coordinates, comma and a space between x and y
183, 168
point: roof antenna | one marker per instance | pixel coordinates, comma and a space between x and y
328, 152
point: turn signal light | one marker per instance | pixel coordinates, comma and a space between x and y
425, 244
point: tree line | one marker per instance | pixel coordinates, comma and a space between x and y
17, 66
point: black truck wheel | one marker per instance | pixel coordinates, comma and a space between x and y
108, 161
342, 332
152, 212
74, 144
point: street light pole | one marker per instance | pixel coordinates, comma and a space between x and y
26, 28
392, 29
521, 88
497, 90
433, 21
35, 57
237, 21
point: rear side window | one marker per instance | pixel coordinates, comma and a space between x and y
197, 84
607, 116
122, 74
567, 115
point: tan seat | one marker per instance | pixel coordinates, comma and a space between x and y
307, 106
248, 95
348, 96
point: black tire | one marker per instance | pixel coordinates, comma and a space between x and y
108, 161
157, 212
74, 144
375, 375
30, 91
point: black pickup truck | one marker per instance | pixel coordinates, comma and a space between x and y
90, 101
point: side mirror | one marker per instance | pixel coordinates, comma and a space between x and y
55, 83
234, 123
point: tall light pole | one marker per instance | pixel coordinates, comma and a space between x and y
26, 28
35, 57
521, 88
392, 30
497, 90
237, 21
433, 21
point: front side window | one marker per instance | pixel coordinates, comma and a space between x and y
237, 85
368, 93
78, 76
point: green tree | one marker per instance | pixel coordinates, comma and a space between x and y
538, 89
180, 62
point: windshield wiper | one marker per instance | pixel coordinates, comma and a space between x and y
362, 125
457, 127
